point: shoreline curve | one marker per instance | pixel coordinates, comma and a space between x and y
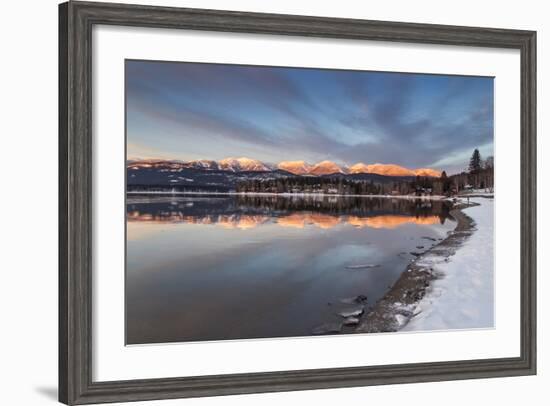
394, 310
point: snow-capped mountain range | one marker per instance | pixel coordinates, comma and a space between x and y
294, 167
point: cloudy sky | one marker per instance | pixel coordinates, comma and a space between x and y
212, 111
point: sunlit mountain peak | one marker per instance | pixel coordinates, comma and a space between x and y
295, 167
359, 168
326, 168
242, 164
389, 170
427, 172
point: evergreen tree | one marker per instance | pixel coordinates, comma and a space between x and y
446, 182
475, 162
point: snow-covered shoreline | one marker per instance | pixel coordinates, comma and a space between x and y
449, 286
462, 296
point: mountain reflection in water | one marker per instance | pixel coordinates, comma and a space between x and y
238, 266
245, 212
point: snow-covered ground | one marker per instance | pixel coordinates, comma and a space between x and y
464, 296
478, 192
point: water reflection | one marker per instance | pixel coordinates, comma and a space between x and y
246, 212
233, 267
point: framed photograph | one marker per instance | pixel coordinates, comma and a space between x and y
257, 202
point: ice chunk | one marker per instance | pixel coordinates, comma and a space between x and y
354, 312
362, 266
351, 321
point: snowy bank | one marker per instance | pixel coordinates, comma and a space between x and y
462, 296
449, 286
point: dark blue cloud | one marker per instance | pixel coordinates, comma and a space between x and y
192, 110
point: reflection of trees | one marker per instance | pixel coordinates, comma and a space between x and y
323, 211
346, 205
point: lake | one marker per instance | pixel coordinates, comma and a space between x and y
223, 267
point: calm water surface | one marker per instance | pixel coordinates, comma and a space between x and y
233, 267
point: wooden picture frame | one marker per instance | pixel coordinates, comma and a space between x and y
76, 20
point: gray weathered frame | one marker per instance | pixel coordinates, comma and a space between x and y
76, 20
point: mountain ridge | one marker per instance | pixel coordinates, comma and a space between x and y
299, 167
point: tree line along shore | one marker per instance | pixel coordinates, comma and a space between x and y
479, 175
